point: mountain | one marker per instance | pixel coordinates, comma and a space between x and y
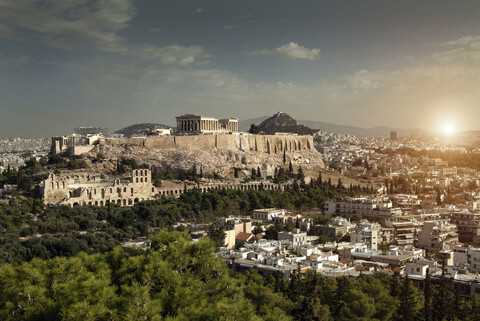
284, 123
244, 125
363, 132
139, 129
343, 129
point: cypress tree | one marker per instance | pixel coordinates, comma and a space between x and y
406, 309
301, 175
427, 308
340, 183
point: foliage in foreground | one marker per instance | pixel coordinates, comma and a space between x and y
176, 279
180, 280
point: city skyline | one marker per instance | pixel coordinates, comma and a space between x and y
65, 64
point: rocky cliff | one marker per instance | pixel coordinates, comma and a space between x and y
213, 153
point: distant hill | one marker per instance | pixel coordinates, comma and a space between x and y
363, 132
470, 133
244, 125
139, 129
343, 129
284, 123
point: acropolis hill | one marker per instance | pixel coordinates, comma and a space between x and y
215, 145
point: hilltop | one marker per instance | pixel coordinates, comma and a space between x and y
284, 123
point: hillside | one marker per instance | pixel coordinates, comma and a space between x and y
139, 129
284, 123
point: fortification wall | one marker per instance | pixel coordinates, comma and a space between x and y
161, 142
271, 144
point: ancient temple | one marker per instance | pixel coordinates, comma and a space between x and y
200, 124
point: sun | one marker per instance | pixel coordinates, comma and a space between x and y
448, 129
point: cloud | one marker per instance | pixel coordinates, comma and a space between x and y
80, 25
462, 41
290, 50
232, 27
463, 50
19, 60
199, 10
154, 30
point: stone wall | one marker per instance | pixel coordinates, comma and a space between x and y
271, 144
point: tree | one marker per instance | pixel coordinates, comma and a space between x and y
235, 171
55, 159
427, 307
217, 235
356, 217
406, 310
301, 175
319, 180
254, 129
340, 183
290, 168
395, 285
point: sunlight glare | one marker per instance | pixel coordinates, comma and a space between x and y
448, 129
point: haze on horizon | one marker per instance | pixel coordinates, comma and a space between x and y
113, 63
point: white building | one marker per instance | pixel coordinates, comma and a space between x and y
267, 214
295, 237
367, 233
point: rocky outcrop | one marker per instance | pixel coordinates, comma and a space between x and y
215, 160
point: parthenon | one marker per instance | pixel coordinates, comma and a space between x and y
201, 124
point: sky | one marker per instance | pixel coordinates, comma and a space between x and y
114, 63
